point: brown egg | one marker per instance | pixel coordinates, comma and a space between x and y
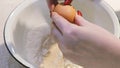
67, 11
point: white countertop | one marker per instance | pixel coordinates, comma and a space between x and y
6, 6
115, 4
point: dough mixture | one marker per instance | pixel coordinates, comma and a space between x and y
54, 59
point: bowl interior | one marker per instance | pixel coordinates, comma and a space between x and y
29, 25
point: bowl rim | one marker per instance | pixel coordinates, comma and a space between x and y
114, 17
19, 59
27, 2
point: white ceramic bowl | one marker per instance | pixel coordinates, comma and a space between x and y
32, 13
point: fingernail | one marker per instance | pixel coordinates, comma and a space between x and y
79, 13
67, 2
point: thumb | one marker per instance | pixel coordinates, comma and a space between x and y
61, 23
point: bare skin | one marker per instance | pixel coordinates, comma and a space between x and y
86, 44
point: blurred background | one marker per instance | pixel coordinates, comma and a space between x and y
6, 7
115, 4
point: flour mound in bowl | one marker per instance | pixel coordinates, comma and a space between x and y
43, 52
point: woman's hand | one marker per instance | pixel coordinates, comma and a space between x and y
51, 4
86, 44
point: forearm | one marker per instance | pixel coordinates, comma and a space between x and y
106, 57
111, 54
105, 53
113, 46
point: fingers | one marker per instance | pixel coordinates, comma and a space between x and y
51, 4
79, 13
67, 2
79, 20
55, 2
61, 23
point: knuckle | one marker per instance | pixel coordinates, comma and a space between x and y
70, 32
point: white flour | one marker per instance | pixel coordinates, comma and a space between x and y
34, 45
41, 50
40, 47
